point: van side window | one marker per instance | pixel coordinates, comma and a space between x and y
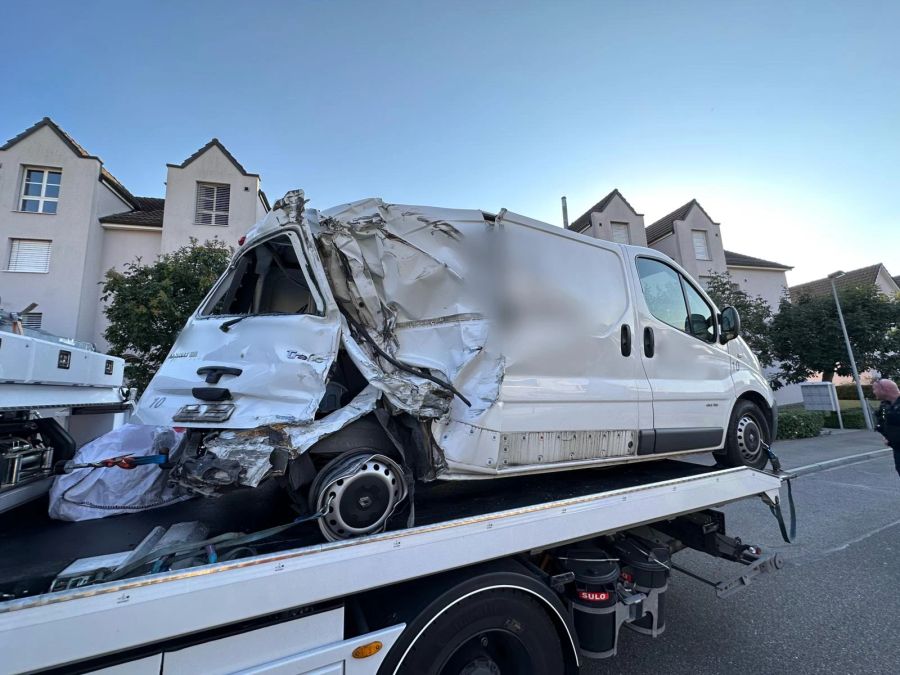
673, 300
701, 323
662, 291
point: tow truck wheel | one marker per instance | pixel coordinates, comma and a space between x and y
358, 492
492, 633
748, 433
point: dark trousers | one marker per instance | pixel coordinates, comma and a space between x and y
897, 458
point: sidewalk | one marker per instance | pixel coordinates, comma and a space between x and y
832, 446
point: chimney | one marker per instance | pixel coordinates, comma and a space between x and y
565, 209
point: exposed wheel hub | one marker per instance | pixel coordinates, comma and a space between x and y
361, 491
749, 438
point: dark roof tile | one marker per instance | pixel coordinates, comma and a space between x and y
865, 276
666, 224
741, 260
149, 213
215, 142
582, 222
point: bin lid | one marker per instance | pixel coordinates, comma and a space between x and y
591, 565
639, 557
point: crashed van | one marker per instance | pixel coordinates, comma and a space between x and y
357, 350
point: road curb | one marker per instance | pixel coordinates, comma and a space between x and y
840, 461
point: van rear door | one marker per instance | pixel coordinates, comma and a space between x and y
258, 351
689, 371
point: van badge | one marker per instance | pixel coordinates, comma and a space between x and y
294, 354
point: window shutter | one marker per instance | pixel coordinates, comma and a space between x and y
29, 255
701, 245
213, 203
620, 233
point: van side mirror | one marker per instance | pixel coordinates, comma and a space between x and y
729, 324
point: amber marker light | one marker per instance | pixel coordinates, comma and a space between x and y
368, 649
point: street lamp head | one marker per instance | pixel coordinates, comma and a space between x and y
836, 275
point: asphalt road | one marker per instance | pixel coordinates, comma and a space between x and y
835, 607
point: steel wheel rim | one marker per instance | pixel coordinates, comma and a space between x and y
361, 493
749, 438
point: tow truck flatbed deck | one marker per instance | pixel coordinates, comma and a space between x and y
44, 546
456, 525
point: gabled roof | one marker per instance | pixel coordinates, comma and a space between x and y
896, 280
215, 142
75, 147
149, 213
865, 276
741, 260
666, 224
584, 220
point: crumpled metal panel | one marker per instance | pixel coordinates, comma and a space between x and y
253, 447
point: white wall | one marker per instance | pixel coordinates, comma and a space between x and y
697, 220
181, 200
617, 211
73, 231
770, 284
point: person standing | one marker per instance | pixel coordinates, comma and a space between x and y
888, 415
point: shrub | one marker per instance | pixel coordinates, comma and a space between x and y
853, 419
847, 392
799, 424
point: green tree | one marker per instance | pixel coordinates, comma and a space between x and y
756, 314
807, 338
148, 304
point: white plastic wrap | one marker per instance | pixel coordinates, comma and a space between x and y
86, 494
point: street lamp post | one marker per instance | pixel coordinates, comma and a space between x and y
859, 389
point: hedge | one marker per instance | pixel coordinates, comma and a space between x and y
853, 419
847, 392
799, 424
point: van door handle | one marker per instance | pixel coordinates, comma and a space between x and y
649, 343
626, 340
213, 373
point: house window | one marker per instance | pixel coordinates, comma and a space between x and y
40, 190
620, 233
29, 255
32, 320
213, 200
701, 245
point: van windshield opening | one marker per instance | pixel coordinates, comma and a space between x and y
267, 279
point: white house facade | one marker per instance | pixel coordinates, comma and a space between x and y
689, 236
65, 220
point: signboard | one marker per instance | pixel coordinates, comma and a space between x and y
821, 396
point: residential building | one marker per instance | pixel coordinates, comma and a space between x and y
689, 236
873, 275
65, 220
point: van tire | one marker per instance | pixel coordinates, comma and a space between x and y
748, 431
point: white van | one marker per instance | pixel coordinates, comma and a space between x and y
355, 350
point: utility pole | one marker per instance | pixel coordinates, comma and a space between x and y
859, 390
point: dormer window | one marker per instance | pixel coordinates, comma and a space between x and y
213, 200
40, 190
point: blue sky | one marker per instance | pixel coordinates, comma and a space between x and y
782, 119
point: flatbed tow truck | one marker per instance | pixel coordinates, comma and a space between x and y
526, 574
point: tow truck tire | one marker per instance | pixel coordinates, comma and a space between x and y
748, 429
495, 631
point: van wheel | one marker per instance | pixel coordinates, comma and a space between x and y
498, 631
748, 433
357, 492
